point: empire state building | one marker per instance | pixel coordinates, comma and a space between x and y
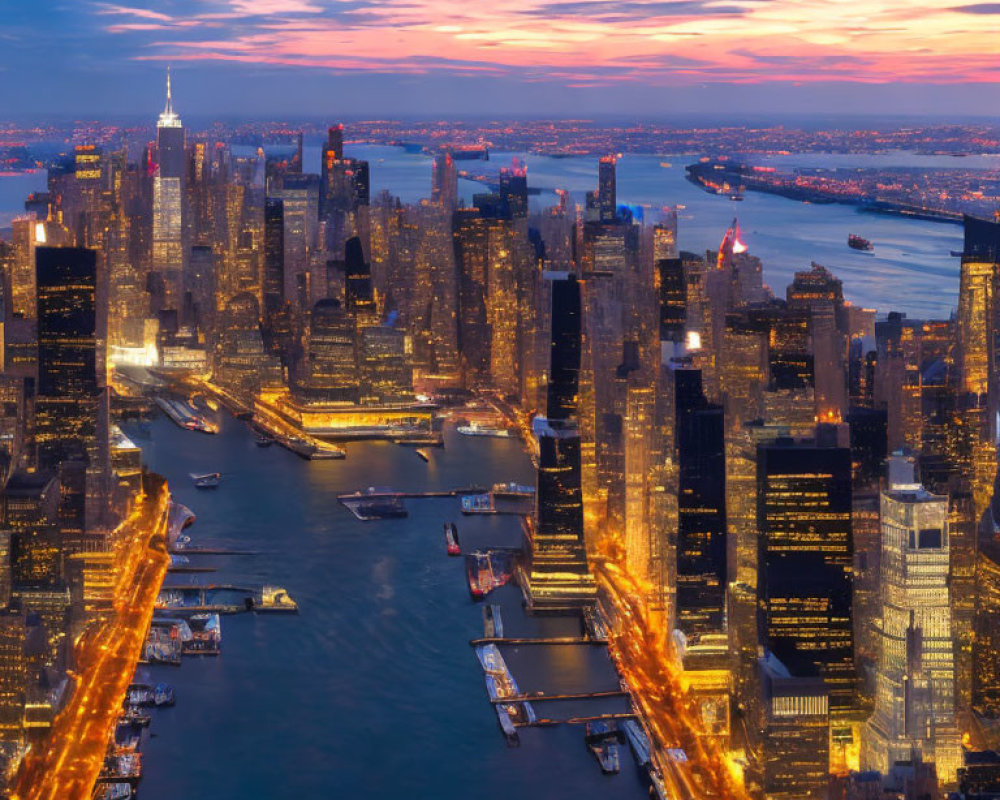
168, 189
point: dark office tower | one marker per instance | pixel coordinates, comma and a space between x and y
514, 191
805, 553
361, 182
607, 188
444, 181
673, 299
67, 349
564, 359
558, 577
71, 407
274, 254
701, 532
334, 142
360, 301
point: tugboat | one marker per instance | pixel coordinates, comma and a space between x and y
602, 741
209, 480
472, 572
451, 539
856, 242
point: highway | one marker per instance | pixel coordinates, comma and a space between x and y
67, 764
641, 653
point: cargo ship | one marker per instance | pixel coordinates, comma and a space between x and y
856, 242
476, 429
602, 741
422, 454
451, 539
374, 503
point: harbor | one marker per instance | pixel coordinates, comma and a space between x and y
394, 582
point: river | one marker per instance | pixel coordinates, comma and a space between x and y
372, 690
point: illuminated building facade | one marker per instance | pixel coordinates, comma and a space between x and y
71, 407
805, 560
558, 576
915, 677
168, 192
792, 754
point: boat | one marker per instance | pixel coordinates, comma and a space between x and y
856, 242
638, 740
451, 539
263, 440
274, 598
512, 489
163, 695
422, 454
476, 429
472, 573
738, 198
602, 741
210, 480
666, 164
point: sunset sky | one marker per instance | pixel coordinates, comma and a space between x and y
650, 57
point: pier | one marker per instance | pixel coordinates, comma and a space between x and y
541, 722
537, 640
185, 416
194, 598
537, 697
388, 493
211, 551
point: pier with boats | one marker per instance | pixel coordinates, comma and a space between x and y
223, 599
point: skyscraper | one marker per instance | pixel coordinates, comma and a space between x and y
168, 191
805, 560
607, 188
71, 408
915, 673
274, 254
701, 533
558, 576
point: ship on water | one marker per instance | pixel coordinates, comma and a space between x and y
602, 741
451, 539
478, 429
856, 242
375, 502
209, 480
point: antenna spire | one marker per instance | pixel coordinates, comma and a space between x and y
169, 108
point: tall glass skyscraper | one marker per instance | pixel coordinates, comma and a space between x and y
168, 189
558, 577
915, 676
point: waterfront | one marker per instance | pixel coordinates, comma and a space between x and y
911, 269
372, 690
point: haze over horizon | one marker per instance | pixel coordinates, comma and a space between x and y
530, 57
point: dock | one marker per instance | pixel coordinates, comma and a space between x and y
537, 640
541, 722
195, 598
185, 416
539, 697
211, 551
